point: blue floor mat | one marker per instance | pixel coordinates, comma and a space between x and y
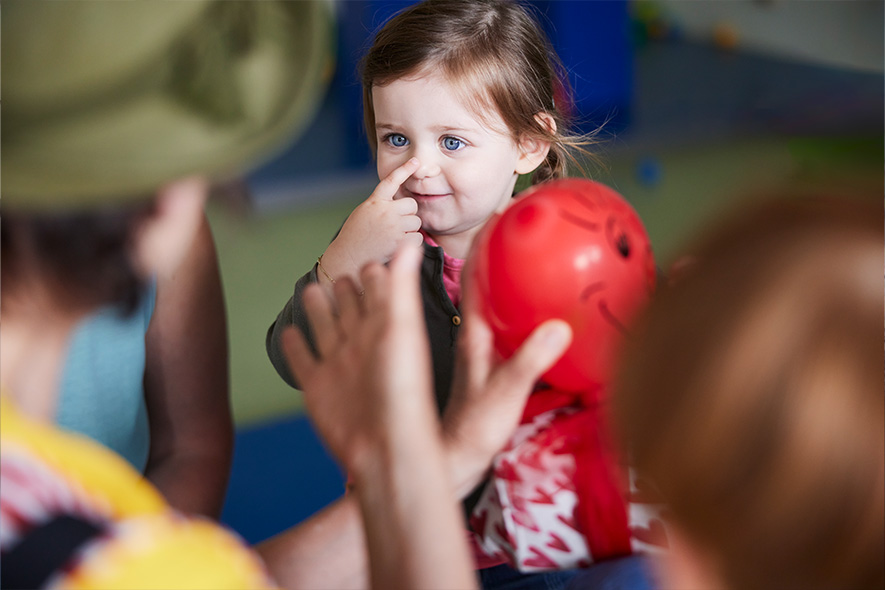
281, 475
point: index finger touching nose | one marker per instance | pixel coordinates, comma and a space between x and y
387, 188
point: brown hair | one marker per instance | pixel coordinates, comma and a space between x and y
496, 53
752, 397
85, 256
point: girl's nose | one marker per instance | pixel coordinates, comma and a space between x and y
429, 165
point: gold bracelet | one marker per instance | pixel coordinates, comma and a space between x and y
320, 266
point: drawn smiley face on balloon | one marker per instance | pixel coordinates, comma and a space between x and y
572, 249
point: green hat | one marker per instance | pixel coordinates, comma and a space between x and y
104, 101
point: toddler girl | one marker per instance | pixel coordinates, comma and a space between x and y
461, 97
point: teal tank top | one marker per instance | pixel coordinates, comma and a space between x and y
102, 384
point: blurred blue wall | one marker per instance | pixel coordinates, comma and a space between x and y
591, 38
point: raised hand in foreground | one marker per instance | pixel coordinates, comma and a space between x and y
369, 394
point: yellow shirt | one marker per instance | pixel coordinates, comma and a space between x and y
45, 472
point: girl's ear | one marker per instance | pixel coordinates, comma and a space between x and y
533, 151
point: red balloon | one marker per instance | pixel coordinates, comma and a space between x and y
571, 249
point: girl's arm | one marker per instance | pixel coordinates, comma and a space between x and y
292, 314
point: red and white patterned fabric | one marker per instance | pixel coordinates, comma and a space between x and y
558, 498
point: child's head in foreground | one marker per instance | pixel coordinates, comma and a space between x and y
474, 91
753, 399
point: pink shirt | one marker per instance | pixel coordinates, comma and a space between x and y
452, 268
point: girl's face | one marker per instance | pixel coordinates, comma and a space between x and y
468, 166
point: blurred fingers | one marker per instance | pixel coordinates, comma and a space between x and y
321, 316
475, 344
349, 302
540, 350
301, 360
405, 277
376, 285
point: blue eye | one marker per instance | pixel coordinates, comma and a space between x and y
452, 143
397, 140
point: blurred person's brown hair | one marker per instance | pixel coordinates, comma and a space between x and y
752, 396
83, 254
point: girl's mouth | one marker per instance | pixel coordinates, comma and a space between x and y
429, 197
417, 195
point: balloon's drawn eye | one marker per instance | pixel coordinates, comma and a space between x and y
579, 221
617, 237
623, 245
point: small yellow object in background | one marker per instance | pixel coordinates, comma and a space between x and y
725, 36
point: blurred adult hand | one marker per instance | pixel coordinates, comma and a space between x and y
371, 381
369, 392
488, 394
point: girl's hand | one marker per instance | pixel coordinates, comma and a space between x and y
375, 229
